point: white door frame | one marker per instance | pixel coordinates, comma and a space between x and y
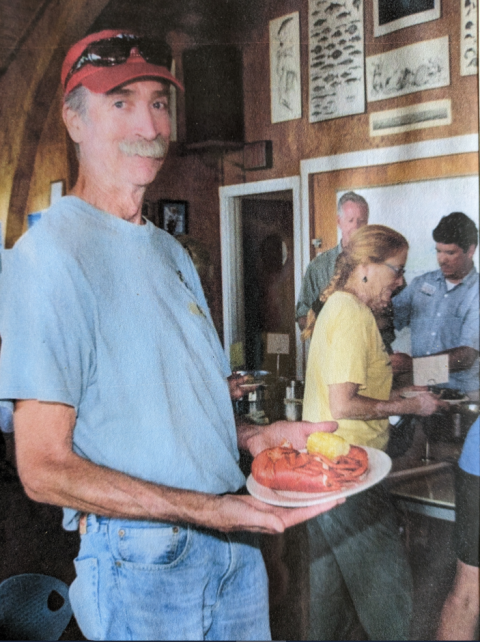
232, 255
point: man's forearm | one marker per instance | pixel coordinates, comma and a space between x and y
53, 473
80, 484
461, 358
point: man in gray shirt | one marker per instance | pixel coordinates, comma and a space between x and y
352, 213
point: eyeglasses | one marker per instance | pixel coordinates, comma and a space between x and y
116, 51
399, 271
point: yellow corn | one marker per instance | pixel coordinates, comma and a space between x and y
327, 444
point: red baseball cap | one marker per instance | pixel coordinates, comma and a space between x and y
103, 79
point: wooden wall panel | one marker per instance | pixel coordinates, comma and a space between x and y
325, 185
298, 139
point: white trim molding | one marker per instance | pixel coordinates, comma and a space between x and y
232, 254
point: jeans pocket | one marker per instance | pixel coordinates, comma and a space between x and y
83, 594
156, 546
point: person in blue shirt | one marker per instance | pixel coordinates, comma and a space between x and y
459, 618
122, 412
442, 307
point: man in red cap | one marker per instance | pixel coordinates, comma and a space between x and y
122, 406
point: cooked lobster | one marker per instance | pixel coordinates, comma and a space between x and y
284, 468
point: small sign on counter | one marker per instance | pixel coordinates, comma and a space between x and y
430, 371
278, 343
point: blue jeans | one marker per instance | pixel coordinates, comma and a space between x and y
359, 569
160, 581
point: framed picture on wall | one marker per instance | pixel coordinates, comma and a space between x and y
285, 87
174, 217
391, 15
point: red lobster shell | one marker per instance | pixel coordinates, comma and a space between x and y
284, 468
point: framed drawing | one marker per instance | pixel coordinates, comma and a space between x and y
390, 15
336, 59
403, 119
468, 38
173, 217
285, 79
423, 65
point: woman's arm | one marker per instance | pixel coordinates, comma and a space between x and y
346, 403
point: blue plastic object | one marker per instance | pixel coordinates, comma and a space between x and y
26, 603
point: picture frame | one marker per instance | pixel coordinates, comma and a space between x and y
173, 217
285, 72
468, 38
336, 59
391, 15
436, 113
57, 190
416, 67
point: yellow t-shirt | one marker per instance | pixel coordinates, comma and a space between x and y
346, 347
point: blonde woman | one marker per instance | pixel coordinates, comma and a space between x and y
358, 567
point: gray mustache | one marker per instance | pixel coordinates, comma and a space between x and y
149, 148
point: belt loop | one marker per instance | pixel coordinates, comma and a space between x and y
88, 522
82, 524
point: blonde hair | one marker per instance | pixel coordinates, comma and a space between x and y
369, 244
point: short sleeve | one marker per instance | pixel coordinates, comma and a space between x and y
46, 323
469, 334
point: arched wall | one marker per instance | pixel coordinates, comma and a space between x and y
26, 93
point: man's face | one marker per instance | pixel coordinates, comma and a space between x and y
124, 136
453, 261
353, 217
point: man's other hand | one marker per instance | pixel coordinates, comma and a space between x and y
296, 432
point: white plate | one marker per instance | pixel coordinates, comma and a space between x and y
408, 394
454, 402
379, 464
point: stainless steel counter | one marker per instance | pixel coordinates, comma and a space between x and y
426, 487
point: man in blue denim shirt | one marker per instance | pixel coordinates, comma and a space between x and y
442, 307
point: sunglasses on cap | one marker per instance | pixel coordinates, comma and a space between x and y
116, 51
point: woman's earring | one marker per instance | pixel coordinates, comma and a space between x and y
364, 279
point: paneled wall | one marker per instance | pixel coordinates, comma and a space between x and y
298, 139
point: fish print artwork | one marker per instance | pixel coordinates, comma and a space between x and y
422, 65
336, 59
468, 38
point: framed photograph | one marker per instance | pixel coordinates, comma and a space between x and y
285, 85
174, 217
391, 15
423, 65
57, 190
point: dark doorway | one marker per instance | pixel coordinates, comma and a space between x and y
268, 269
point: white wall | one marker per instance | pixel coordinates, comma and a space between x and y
414, 209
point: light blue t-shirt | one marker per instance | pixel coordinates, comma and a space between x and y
110, 318
470, 458
442, 319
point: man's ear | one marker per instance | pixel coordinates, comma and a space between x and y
471, 251
74, 123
